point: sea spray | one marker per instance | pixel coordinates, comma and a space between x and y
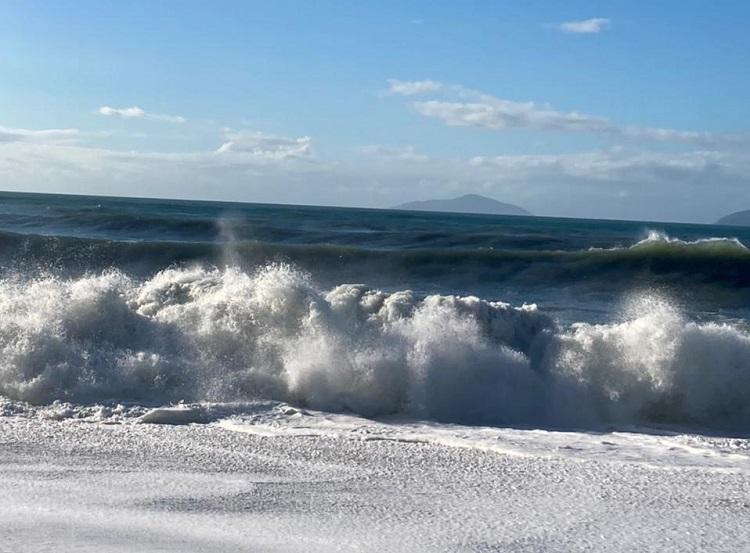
226, 335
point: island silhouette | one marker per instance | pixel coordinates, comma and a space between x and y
468, 203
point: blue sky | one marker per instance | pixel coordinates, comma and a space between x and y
600, 109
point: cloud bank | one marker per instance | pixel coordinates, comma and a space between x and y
254, 166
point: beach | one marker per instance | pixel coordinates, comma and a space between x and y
314, 482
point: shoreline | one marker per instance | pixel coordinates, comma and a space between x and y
124, 487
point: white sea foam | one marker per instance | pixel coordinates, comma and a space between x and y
657, 237
225, 335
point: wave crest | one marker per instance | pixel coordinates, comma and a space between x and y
715, 245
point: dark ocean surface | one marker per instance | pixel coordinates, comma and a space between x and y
578, 268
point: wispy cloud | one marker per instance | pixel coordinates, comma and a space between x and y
594, 25
266, 147
495, 113
458, 106
615, 164
706, 139
411, 88
44, 135
134, 112
407, 153
126, 113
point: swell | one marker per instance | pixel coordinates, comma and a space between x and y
200, 334
99, 223
653, 261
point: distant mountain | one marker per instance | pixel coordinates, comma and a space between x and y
739, 218
470, 203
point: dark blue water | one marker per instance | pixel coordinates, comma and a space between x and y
579, 269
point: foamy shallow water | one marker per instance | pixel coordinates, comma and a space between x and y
271, 477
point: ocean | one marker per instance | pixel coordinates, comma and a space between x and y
195, 376
452, 317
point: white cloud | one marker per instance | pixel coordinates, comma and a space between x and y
126, 113
134, 112
587, 26
44, 135
707, 139
616, 165
407, 153
462, 107
471, 108
167, 118
266, 147
412, 88
494, 113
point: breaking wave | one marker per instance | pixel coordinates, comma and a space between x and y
203, 334
660, 242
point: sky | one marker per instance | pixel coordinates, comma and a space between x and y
604, 109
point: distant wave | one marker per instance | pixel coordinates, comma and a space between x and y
659, 241
658, 259
228, 335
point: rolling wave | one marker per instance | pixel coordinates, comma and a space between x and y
657, 259
201, 334
658, 242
